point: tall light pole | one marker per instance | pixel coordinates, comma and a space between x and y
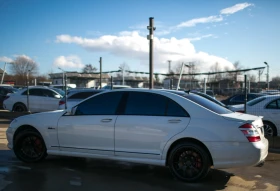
267, 75
150, 37
65, 85
182, 68
27, 76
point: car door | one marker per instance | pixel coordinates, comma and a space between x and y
272, 112
149, 120
91, 128
50, 100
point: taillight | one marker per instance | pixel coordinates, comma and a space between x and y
61, 102
250, 132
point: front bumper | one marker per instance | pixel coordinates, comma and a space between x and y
9, 135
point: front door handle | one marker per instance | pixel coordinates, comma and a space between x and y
174, 120
106, 120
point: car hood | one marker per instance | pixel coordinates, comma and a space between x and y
241, 117
38, 119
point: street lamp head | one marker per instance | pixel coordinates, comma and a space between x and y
266, 63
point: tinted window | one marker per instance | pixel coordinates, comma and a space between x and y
208, 104
82, 95
48, 93
104, 104
174, 109
255, 101
239, 98
143, 103
274, 104
33, 92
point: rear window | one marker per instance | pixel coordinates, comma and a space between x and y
207, 104
255, 101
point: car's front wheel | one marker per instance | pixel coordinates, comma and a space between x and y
189, 162
29, 146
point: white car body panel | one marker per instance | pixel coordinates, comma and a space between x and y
147, 139
91, 134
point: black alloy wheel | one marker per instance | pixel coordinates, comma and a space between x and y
189, 162
269, 129
29, 146
19, 107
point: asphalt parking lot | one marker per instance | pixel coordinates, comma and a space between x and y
67, 173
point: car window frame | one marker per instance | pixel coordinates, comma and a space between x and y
275, 100
124, 105
74, 109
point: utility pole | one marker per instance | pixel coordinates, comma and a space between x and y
100, 61
267, 75
3, 73
169, 66
181, 72
150, 37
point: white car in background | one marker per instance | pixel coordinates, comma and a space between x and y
267, 106
75, 96
40, 99
186, 132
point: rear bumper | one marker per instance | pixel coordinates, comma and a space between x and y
238, 154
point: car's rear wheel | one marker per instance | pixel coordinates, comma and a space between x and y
29, 146
19, 107
189, 162
269, 129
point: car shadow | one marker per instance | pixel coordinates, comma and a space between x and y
155, 176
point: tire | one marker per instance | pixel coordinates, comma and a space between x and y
30, 147
269, 129
189, 162
19, 107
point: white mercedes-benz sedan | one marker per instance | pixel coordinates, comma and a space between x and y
186, 132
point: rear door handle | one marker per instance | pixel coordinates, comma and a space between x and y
106, 120
174, 120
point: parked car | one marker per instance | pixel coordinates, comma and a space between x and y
40, 99
108, 87
267, 106
240, 98
270, 92
76, 96
4, 90
188, 133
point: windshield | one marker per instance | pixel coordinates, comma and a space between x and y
61, 92
255, 101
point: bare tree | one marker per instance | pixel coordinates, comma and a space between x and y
216, 68
89, 69
275, 82
124, 67
21, 66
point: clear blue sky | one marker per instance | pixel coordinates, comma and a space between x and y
72, 33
